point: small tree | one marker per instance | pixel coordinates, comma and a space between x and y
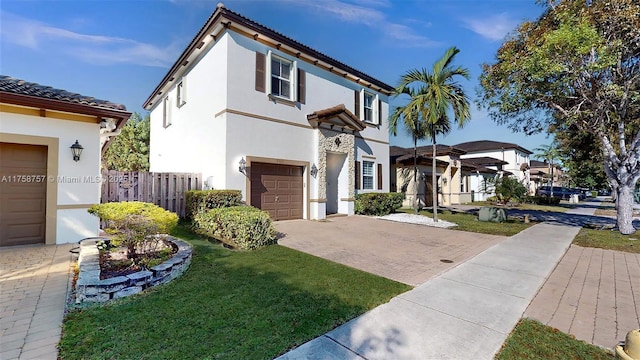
132, 232
508, 188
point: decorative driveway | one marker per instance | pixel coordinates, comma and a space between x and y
34, 281
408, 253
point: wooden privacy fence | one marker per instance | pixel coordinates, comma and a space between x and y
166, 190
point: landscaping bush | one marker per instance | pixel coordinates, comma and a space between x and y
508, 188
165, 220
243, 227
197, 200
134, 222
378, 203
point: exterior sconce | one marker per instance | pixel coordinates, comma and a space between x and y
444, 181
76, 150
242, 165
314, 170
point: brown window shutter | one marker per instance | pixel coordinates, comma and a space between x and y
260, 72
357, 175
302, 80
379, 176
357, 103
379, 112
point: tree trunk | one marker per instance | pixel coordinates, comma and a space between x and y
434, 187
625, 209
415, 175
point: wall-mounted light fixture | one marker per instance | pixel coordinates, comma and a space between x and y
314, 170
76, 150
242, 165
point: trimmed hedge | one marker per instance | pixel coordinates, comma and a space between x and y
197, 200
541, 200
243, 227
118, 212
378, 203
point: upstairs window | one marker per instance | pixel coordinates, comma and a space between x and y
166, 116
181, 96
281, 77
369, 103
368, 107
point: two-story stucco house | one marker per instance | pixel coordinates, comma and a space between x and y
297, 131
508, 158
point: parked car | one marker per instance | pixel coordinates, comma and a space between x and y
582, 193
558, 192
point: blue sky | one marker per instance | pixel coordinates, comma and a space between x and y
119, 50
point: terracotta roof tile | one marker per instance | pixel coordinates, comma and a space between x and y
487, 145
16, 86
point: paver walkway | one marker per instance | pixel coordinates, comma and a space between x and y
407, 253
33, 282
593, 294
464, 313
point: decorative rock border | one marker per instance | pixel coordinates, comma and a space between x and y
89, 287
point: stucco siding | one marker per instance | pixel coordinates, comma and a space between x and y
195, 139
76, 184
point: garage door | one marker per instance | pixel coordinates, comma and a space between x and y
22, 196
277, 189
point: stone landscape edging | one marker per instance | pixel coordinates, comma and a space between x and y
90, 288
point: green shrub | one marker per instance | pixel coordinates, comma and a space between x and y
540, 200
508, 188
492, 199
164, 220
243, 227
197, 200
378, 203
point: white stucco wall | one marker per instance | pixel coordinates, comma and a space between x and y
78, 183
195, 140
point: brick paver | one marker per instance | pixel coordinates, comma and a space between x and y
593, 294
403, 252
34, 281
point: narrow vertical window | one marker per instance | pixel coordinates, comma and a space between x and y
367, 175
166, 119
369, 100
181, 98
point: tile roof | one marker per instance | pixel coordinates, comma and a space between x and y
485, 160
222, 12
488, 145
12, 85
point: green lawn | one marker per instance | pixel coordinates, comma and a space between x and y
469, 222
533, 340
228, 305
608, 239
562, 207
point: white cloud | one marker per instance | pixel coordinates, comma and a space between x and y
494, 27
95, 49
365, 12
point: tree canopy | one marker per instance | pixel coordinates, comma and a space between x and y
577, 65
129, 151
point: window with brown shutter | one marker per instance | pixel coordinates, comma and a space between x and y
379, 176
260, 72
357, 175
301, 86
356, 99
379, 112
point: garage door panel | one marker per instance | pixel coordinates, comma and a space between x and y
22, 203
277, 189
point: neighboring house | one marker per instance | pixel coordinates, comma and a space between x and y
44, 193
298, 132
510, 159
480, 177
452, 184
541, 174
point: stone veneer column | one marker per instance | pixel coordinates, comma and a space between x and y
337, 142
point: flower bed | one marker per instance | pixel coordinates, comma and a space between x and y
90, 288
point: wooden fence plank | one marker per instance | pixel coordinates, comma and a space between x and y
166, 190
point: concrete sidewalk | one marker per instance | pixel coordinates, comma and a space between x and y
465, 313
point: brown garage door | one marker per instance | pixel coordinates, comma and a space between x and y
277, 189
22, 197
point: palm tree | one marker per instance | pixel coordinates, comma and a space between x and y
416, 128
434, 94
548, 153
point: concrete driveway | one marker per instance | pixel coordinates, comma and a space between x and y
408, 253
